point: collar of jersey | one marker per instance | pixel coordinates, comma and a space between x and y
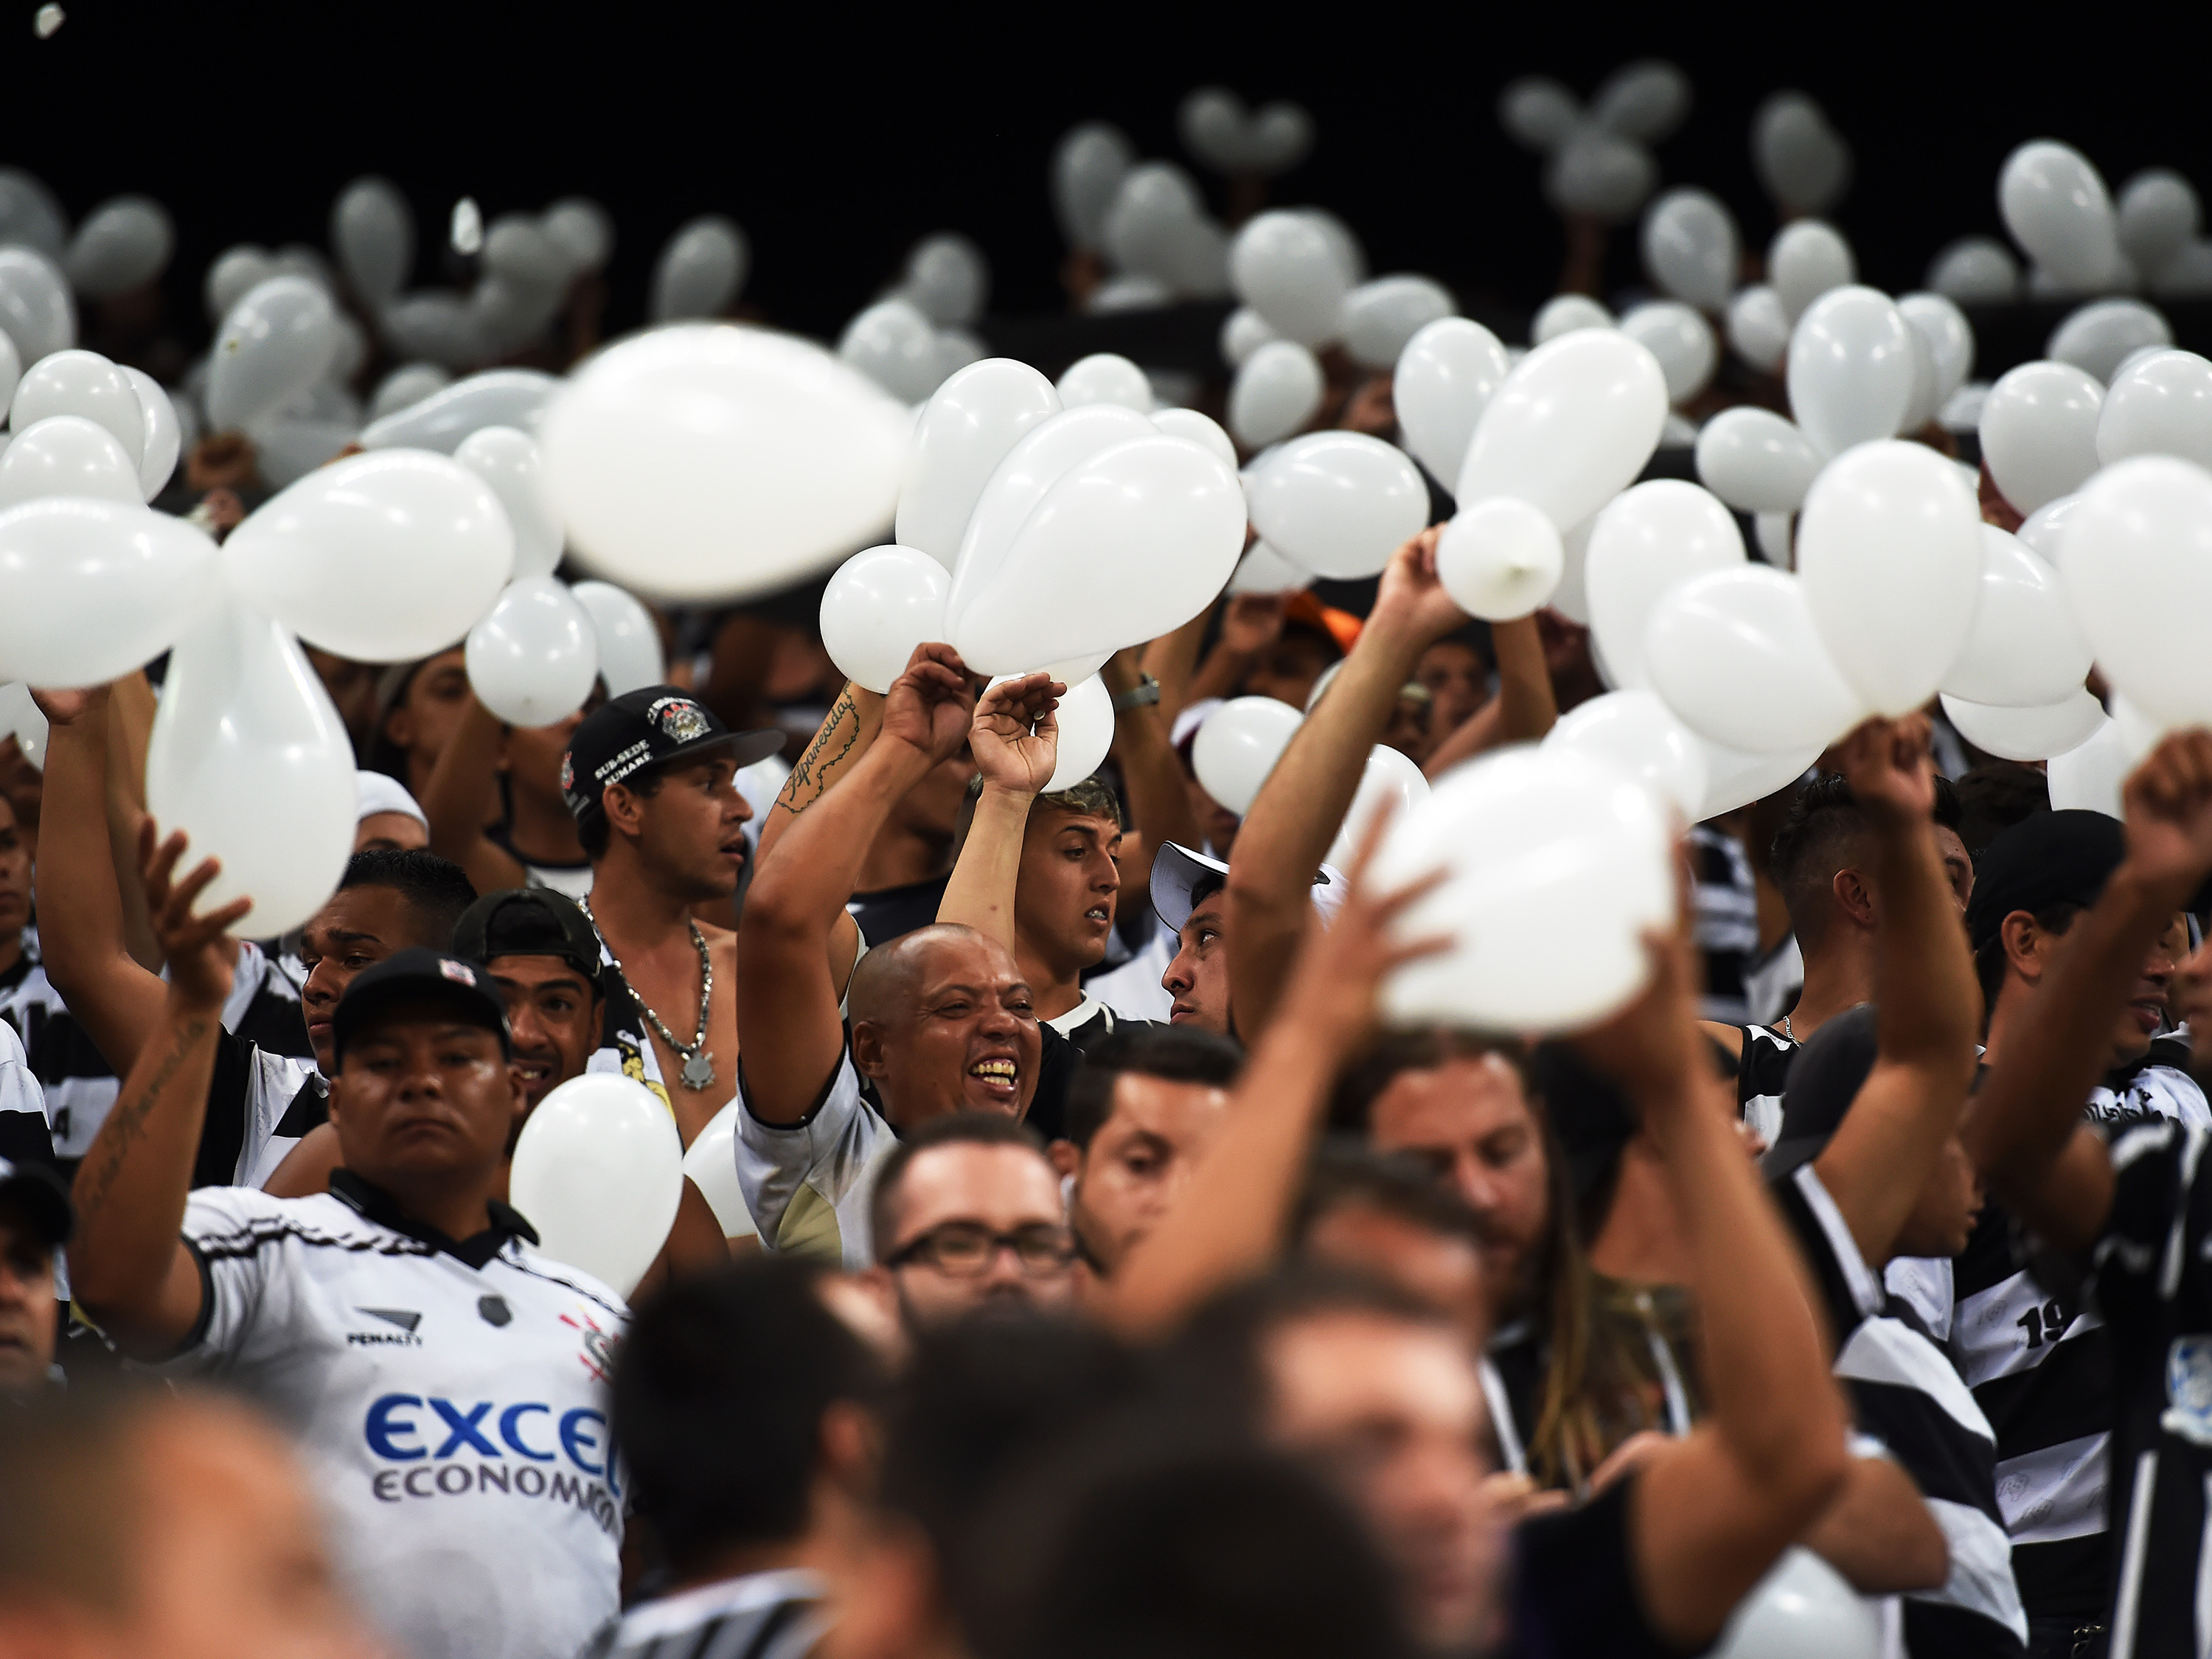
379, 1206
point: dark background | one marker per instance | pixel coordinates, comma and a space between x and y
836, 135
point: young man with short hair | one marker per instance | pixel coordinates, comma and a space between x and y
35, 1222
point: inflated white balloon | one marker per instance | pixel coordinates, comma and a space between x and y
895, 346
1571, 599
2055, 205
122, 244
2025, 650
700, 271
2156, 218
373, 230
1265, 571
1600, 175
35, 309
1088, 166
381, 557
1644, 543
1274, 393
1802, 1609
2160, 404
1537, 113
628, 644
1852, 368
2039, 432
1389, 782
1776, 535
81, 383
1338, 503
1085, 715
2040, 531
1564, 313
1680, 339
67, 455
436, 325
509, 461
443, 418
1638, 734
1804, 261
2102, 335
1378, 320
1736, 655
22, 720
1890, 550
1444, 379
1734, 779
164, 439
250, 760
96, 588
2088, 777
1285, 266
584, 230
1105, 377
1499, 558
2136, 559
1690, 248
1756, 461
1948, 336
275, 344
1557, 866
708, 460
1976, 270
1571, 427
1803, 162
1202, 430
599, 1173
1244, 333
286, 450
948, 277
1757, 327
1238, 745
965, 431
2031, 733
879, 605
405, 386
532, 657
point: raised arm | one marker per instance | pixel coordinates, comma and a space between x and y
1172, 659
1305, 799
130, 728
1927, 1006
81, 933
1252, 623
457, 797
129, 1265
1159, 805
1014, 737
1712, 1510
2024, 1131
787, 1001
1524, 710
844, 736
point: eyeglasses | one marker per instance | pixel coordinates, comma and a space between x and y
964, 1249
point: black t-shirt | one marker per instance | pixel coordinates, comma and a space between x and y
889, 912
1573, 1586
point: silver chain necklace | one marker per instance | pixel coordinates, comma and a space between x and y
698, 1063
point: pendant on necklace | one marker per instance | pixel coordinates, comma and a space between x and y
698, 1070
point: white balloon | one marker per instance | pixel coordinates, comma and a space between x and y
1086, 732
1976, 270
2156, 218
1154, 209
1105, 378
274, 344
1600, 175
1775, 535
1638, 734
701, 270
948, 277
1559, 864
2025, 650
1851, 369
1202, 430
532, 657
2039, 432
628, 644
1378, 320
1734, 779
599, 1173
1444, 379
879, 605
438, 324
2162, 405
1238, 745
1647, 541
29, 213
1389, 782
1804, 261
1949, 337
1759, 328
67, 455
2040, 530
1285, 267
35, 309
443, 417
381, 557
509, 461
164, 439
894, 345
1756, 461
122, 244
708, 460
235, 273
1571, 599
2055, 205
372, 229
1537, 113
1690, 248
1571, 427
22, 720
286, 450
1264, 570
1890, 550
2138, 733
406, 386
1244, 333
2032, 733
1499, 558
96, 588
1564, 313
1804, 1609
1680, 339
965, 431
2103, 334
1088, 166
1274, 393
1338, 503
2086, 778
583, 231
1735, 654
250, 760
82, 383
711, 1165
2136, 559
1803, 161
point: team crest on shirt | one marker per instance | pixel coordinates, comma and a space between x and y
2189, 1390
680, 719
567, 774
599, 1345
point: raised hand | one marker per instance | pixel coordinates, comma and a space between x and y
1410, 595
67, 708
2167, 804
1891, 769
199, 961
929, 706
1016, 733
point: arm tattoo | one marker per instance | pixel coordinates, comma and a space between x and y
817, 768
126, 1123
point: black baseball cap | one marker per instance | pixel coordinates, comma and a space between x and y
41, 1196
649, 727
1826, 1076
529, 922
2046, 858
417, 975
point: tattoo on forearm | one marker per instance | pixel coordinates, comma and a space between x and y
126, 1123
810, 776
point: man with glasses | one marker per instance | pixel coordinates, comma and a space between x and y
966, 1214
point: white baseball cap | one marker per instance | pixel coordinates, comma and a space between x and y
379, 792
1178, 871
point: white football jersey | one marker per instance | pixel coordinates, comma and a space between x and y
450, 1401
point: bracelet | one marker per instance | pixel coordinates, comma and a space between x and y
1144, 693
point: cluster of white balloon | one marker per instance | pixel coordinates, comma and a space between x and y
916, 336
1598, 160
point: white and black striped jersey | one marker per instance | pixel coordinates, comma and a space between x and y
1906, 1394
1727, 905
449, 1398
24, 1135
762, 1615
2039, 1364
1762, 1072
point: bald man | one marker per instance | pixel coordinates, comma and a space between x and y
942, 1020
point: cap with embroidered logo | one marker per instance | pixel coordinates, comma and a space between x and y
649, 727
417, 975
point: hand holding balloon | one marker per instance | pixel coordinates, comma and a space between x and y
929, 708
1015, 736
199, 961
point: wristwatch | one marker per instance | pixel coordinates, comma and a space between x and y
1146, 692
